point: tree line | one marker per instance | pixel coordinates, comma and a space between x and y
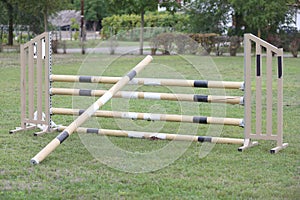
261, 17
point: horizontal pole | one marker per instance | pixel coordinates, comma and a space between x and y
154, 136
150, 95
150, 81
89, 112
152, 117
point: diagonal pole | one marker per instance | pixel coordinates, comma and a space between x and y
89, 112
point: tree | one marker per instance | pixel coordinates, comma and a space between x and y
11, 8
95, 11
134, 7
260, 15
140, 7
44, 7
208, 16
3, 20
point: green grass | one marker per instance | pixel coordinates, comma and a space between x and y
71, 172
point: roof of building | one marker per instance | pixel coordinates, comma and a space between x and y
63, 18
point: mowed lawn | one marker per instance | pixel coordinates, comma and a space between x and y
74, 171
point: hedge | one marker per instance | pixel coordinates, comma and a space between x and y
117, 24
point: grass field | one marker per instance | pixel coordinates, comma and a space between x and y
72, 172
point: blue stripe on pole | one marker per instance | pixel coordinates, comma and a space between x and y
258, 65
204, 139
83, 92
85, 79
200, 98
131, 74
62, 136
201, 83
279, 67
200, 120
92, 130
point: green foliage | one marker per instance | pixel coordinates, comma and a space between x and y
255, 16
135, 7
131, 6
40, 10
94, 10
74, 24
3, 16
116, 23
208, 16
260, 15
76, 35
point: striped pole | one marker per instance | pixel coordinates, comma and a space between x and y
153, 117
89, 112
154, 136
150, 81
151, 95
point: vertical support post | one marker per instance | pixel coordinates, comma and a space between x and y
31, 82
23, 86
48, 71
280, 100
280, 144
247, 78
248, 94
39, 80
269, 83
258, 105
46, 42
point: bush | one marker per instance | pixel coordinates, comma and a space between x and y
76, 35
165, 41
117, 23
181, 42
235, 44
185, 44
173, 42
275, 40
154, 45
294, 47
221, 42
287, 38
54, 46
207, 41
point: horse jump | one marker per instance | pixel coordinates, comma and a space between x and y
36, 105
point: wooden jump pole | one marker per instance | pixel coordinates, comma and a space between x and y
154, 136
89, 112
151, 95
153, 117
150, 81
